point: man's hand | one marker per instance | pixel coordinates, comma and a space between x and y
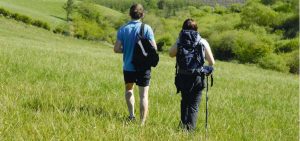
118, 47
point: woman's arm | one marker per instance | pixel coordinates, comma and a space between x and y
173, 50
208, 53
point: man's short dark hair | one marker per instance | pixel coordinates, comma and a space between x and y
136, 11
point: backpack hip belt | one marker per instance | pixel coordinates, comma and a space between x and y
190, 72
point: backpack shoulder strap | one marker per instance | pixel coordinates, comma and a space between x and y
201, 50
142, 30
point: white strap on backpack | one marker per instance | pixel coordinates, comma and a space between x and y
142, 48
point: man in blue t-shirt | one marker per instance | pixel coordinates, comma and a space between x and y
126, 39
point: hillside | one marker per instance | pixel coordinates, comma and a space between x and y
59, 88
50, 11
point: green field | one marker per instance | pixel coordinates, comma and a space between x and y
59, 88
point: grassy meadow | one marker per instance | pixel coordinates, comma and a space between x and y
58, 88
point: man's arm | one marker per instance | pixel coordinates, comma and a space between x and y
118, 47
153, 43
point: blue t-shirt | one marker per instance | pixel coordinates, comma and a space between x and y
127, 34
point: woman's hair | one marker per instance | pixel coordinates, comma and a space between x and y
136, 11
189, 24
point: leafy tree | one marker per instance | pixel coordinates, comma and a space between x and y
69, 7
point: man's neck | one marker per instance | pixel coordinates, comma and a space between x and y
136, 20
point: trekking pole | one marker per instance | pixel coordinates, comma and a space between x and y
206, 110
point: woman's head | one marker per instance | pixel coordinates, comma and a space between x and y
189, 24
136, 11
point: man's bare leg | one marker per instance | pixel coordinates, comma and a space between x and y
130, 98
143, 103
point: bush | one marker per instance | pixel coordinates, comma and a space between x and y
86, 29
273, 62
237, 8
255, 13
160, 46
244, 46
37, 23
282, 7
293, 62
4, 12
284, 46
249, 47
257, 29
220, 9
222, 44
290, 25
41, 24
207, 9
58, 30
165, 40
88, 11
22, 18
194, 12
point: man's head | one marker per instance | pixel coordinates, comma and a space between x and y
136, 11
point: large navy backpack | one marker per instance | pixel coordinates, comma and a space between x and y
190, 53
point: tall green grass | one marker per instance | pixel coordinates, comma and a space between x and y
58, 88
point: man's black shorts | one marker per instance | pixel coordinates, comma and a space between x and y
141, 78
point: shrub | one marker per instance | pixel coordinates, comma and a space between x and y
37, 23
284, 46
249, 47
293, 62
222, 44
41, 24
255, 13
257, 29
268, 2
160, 46
237, 8
86, 29
165, 40
207, 9
222, 26
22, 18
282, 7
4, 12
88, 11
58, 30
273, 62
46, 26
244, 46
290, 25
220, 9
15, 16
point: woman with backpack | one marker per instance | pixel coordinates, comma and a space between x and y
190, 51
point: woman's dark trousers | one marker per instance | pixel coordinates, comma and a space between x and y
191, 97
